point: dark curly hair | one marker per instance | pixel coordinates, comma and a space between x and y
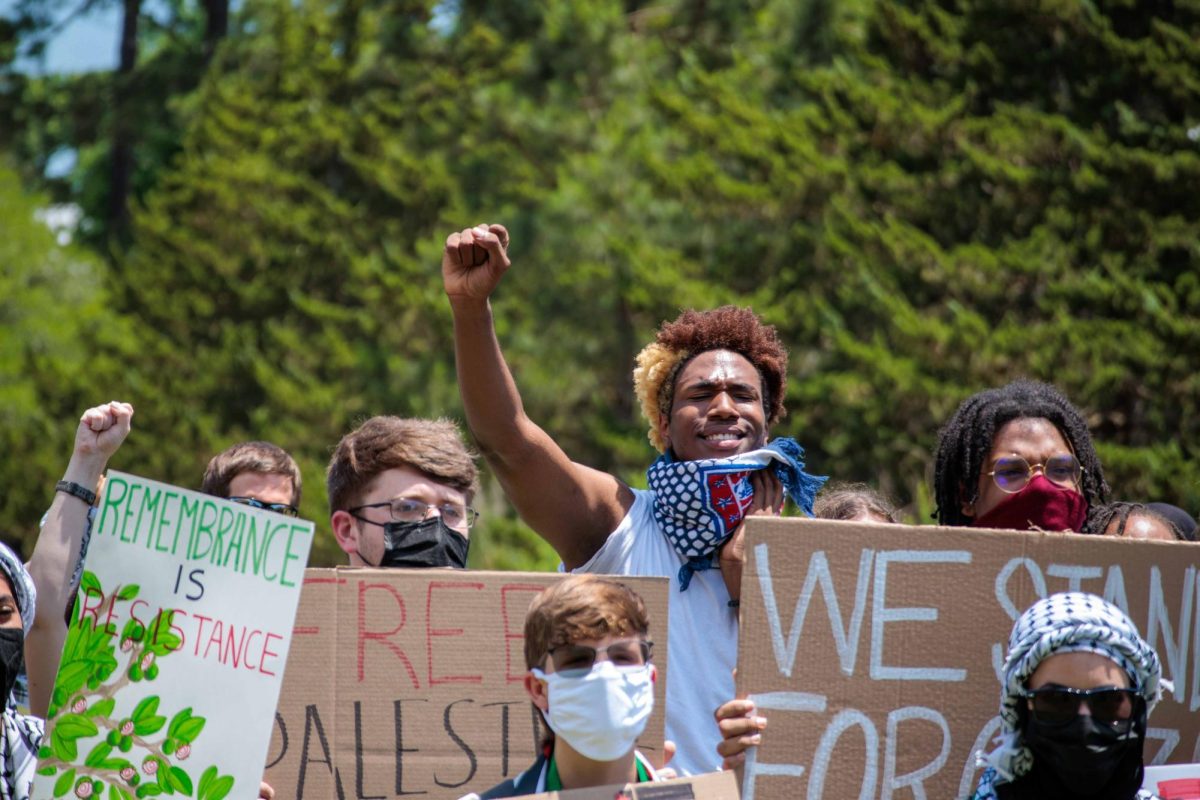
1121, 512
739, 330
966, 441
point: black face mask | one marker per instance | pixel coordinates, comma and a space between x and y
428, 543
12, 658
1088, 758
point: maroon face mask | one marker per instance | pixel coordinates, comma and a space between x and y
1042, 505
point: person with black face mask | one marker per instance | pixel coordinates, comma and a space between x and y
1079, 683
22, 734
400, 493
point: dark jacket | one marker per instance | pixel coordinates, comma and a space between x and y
523, 784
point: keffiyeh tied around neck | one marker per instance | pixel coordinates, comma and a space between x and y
699, 504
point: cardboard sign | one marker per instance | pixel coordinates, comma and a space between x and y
177, 647
875, 651
713, 786
411, 682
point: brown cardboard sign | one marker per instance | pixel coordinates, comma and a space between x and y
875, 650
410, 682
713, 786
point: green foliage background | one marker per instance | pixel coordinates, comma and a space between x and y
927, 198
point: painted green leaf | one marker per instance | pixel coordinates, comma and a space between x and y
47, 770
206, 779
178, 719
101, 709
148, 790
99, 642
98, 755
146, 708
190, 729
162, 639
181, 781
164, 779
64, 783
128, 592
106, 666
220, 788
71, 678
88, 582
132, 630
64, 749
149, 725
75, 726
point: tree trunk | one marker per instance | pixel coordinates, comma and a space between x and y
122, 132
216, 25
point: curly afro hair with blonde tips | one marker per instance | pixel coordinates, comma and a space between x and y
694, 332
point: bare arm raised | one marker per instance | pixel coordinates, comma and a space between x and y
52, 566
571, 506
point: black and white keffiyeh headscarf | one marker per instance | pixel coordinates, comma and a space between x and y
1070, 622
22, 735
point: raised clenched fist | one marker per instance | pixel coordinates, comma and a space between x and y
473, 262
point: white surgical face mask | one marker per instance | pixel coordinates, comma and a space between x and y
602, 713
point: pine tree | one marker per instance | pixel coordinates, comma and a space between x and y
961, 194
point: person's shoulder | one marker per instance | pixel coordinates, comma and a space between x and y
636, 546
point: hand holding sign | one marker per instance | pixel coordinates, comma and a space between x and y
768, 501
473, 262
741, 729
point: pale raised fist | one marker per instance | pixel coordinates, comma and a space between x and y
474, 260
102, 430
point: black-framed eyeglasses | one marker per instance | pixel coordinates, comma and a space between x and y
1058, 705
279, 508
1013, 473
577, 660
406, 509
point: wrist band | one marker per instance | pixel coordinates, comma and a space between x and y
75, 490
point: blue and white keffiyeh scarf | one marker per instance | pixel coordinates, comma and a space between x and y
699, 504
1065, 623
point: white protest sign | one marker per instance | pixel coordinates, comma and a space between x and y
175, 654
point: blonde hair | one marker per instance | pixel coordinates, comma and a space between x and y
653, 378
